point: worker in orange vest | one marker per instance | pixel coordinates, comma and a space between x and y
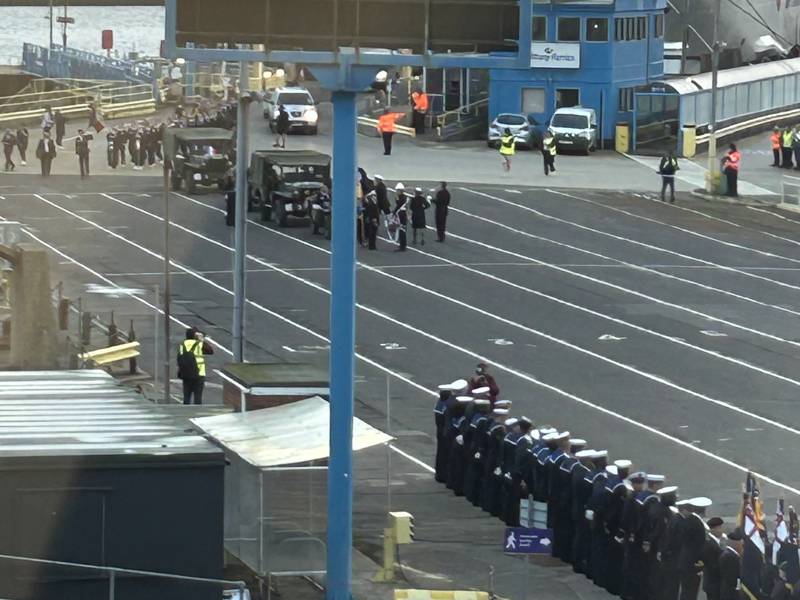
775, 140
730, 166
386, 127
419, 99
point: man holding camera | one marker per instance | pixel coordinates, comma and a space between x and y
192, 365
483, 378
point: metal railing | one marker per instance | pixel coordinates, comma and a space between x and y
457, 115
113, 573
790, 190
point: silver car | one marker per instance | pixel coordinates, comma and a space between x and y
524, 129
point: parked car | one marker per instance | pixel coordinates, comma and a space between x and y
286, 183
198, 156
300, 105
524, 128
575, 128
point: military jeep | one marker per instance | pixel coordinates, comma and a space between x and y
286, 183
198, 156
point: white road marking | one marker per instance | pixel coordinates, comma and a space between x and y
392, 346
712, 333
460, 349
290, 349
650, 376
774, 214
513, 191
627, 240
607, 337
500, 342
690, 232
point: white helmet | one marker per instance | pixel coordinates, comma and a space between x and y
399, 187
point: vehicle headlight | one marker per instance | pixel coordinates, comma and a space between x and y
586, 135
311, 115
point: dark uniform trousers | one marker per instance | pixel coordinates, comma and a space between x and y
441, 223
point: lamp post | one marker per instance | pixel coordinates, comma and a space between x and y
712, 177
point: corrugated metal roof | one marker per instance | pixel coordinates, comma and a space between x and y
729, 77
88, 413
290, 434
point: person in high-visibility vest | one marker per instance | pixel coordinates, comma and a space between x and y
193, 385
549, 152
786, 148
730, 166
775, 140
507, 149
386, 127
419, 99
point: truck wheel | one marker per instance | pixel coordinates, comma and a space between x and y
280, 215
190, 185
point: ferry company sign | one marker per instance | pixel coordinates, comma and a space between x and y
547, 55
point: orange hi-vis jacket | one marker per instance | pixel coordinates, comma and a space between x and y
732, 160
420, 101
386, 122
775, 138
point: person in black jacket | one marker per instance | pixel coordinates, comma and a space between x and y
371, 216
22, 144
111, 150
46, 152
442, 203
711, 553
419, 204
82, 152
667, 169
61, 127
692, 544
730, 566
401, 212
9, 143
281, 127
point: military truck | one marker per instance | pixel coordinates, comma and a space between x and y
198, 156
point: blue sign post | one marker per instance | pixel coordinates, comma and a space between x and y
528, 540
345, 70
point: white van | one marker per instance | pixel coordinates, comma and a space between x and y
575, 128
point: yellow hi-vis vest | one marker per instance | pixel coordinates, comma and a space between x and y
507, 144
195, 347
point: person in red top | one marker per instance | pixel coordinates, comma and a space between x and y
730, 166
775, 140
386, 127
481, 379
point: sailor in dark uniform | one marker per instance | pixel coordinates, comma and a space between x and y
711, 553
639, 562
552, 466
616, 493
563, 525
440, 411
508, 451
730, 564
541, 453
473, 480
598, 559
581, 490
475, 430
457, 455
493, 472
693, 541
111, 153
666, 583
631, 517
519, 468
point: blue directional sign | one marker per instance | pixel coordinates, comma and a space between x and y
525, 540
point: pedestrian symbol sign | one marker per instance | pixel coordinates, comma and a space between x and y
525, 540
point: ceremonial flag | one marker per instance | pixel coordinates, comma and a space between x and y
751, 520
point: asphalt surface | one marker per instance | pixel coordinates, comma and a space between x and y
665, 333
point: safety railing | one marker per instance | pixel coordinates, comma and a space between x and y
399, 129
461, 113
53, 571
790, 190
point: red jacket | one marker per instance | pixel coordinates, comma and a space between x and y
732, 160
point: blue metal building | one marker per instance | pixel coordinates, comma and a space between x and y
592, 53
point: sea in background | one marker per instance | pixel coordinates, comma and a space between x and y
136, 28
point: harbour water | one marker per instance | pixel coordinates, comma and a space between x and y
136, 28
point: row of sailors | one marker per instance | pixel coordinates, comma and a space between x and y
143, 144
625, 530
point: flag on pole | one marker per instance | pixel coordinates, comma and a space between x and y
751, 520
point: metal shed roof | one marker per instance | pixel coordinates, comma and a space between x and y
290, 434
729, 77
87, 413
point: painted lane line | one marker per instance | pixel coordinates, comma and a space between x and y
630, 368
683, 230
726, 221
627, 240
474, 355
774, 214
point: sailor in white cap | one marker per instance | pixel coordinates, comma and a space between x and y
563, 525
400, 213
492, 472
662, 542
693, 540
632, 514
442, 203
552, 466
616, 492
581, 488
475, 442
598, 559
418, 205
382, 198
457, 456
519, 470
442, 414
641, 563
372, 218
507, 462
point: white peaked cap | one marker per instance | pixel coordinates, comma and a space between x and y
612, 469
482, 390
400, 186
464, 399
670, 489
585, 454
623, 464
511, 422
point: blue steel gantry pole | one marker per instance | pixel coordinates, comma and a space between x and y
240, 214
342, 351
